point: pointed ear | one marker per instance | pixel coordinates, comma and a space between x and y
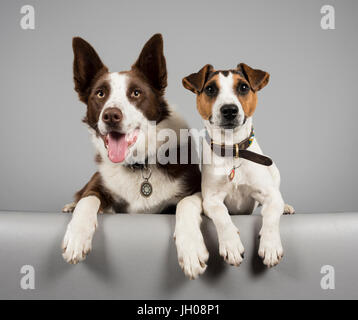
86, 65
151, 63
195, 82
257, 78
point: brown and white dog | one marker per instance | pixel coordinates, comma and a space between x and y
125, 111
226, 100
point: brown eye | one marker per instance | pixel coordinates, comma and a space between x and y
135, 93
100, 94
243, 88
211, 90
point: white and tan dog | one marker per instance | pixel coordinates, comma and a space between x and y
244, 179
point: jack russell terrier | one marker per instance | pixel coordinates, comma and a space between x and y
238, 178
125, 112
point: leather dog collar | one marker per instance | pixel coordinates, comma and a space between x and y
239, 150
138, 165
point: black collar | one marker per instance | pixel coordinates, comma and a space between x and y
239, 150
138, 165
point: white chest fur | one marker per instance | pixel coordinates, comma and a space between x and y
249, 177
123, 183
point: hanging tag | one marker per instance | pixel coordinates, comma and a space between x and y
232, 174
146, 189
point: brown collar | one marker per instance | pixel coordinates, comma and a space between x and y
238, 150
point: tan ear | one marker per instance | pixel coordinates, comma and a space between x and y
195, 82
257, 78
151, 62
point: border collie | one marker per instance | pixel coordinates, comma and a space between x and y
126, 111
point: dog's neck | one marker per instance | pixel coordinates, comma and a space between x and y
230, 137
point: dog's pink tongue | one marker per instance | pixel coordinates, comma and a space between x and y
117, 147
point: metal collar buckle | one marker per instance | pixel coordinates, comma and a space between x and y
237, 151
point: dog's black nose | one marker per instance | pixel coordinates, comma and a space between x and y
112, 116
229, 111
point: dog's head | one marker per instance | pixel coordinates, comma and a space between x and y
225, 99
121, 105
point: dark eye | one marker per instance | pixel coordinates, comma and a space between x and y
100, 94
210, 90
135, 93
243, 88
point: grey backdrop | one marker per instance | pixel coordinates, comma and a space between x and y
305, 119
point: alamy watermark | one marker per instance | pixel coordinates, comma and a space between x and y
328, 281
27, 21
185, 146
27, 281
328, 21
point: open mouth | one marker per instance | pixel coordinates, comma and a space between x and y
118, 144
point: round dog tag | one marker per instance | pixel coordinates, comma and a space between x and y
146, 189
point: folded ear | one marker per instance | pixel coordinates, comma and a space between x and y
86, 65
151, 63
257, 78
195, 82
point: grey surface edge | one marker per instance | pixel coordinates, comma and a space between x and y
134, 257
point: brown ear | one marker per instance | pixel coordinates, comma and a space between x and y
195, 82
86, 65
257, 78
151, 63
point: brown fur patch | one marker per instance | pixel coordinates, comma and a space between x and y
150, 102
151, 63
87, 67
195, 81
205, 103
98, 158
249, 100
190, 172
256, 77
96, 188
94, 103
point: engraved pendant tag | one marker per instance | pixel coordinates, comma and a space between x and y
146, 189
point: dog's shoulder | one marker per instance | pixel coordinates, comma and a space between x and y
188, 169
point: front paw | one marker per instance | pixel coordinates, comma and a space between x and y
77, 243
192, 254
270, 249
230, 246
68, 208
288, 209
